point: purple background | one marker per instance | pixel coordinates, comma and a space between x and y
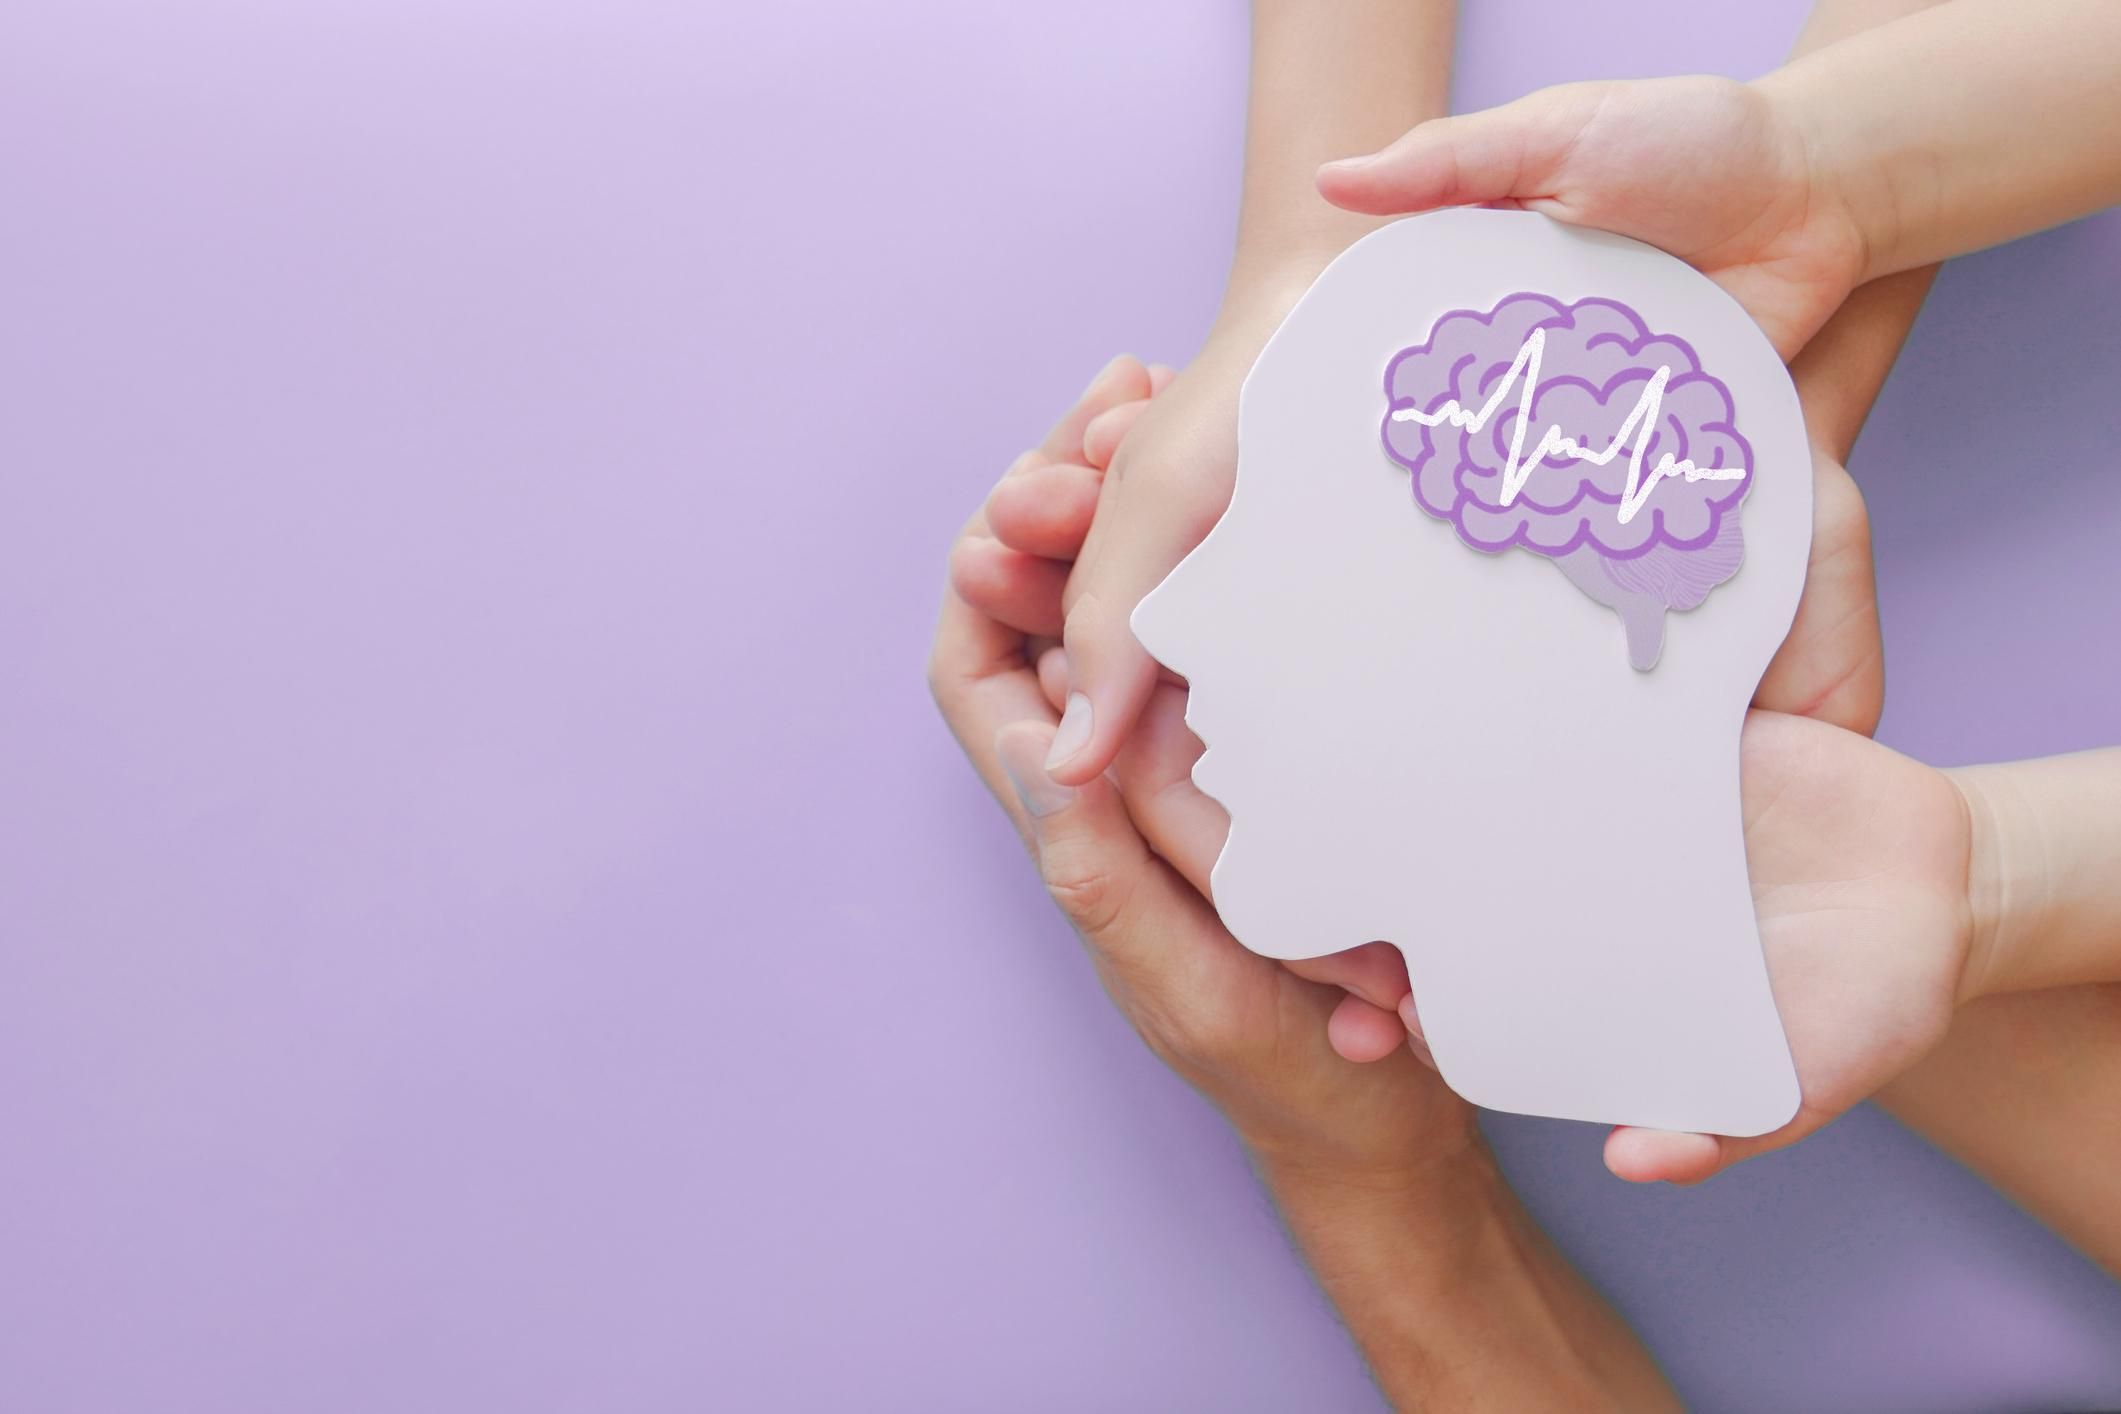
488, 919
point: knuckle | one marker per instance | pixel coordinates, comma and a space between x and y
1086, 616
1093, 897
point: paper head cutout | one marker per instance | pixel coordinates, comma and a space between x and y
1439, 746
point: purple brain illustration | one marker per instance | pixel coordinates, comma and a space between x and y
1576, 432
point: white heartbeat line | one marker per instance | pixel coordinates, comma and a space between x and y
1642, 422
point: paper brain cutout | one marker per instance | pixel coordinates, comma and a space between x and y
1576, 432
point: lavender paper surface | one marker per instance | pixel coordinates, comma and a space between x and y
488, 917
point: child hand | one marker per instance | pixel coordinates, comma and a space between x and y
1713, 171
1859, 860
1170, 480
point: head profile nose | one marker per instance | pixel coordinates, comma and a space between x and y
1167, 621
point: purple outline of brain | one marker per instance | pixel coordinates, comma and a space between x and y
1599, 357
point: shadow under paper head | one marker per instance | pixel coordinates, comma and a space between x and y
1576, 432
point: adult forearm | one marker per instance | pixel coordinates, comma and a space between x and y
1329, 77
1456, 1298
1841, 371
1962, 125
2044, 882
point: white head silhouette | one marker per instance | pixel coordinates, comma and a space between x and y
1450, 750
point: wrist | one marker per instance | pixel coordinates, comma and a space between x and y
1988, 891
2041, 872
1430, 1151
1268, 277
1455, 1173
1849, 206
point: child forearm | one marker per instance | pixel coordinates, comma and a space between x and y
2044, 882
1963, 125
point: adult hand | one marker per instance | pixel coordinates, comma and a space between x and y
1250, 1034
1455, 1296
1831, 667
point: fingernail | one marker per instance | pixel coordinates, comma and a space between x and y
1417, 1041
1103, 373
1040, 793
1023, 462
1343, 164
1073, 733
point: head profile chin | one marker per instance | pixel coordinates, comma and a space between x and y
1280, 909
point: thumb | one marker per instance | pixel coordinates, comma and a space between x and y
1185, 984
1509, 154
1672, 1156
1110, 678
1092, 858
1147, 521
